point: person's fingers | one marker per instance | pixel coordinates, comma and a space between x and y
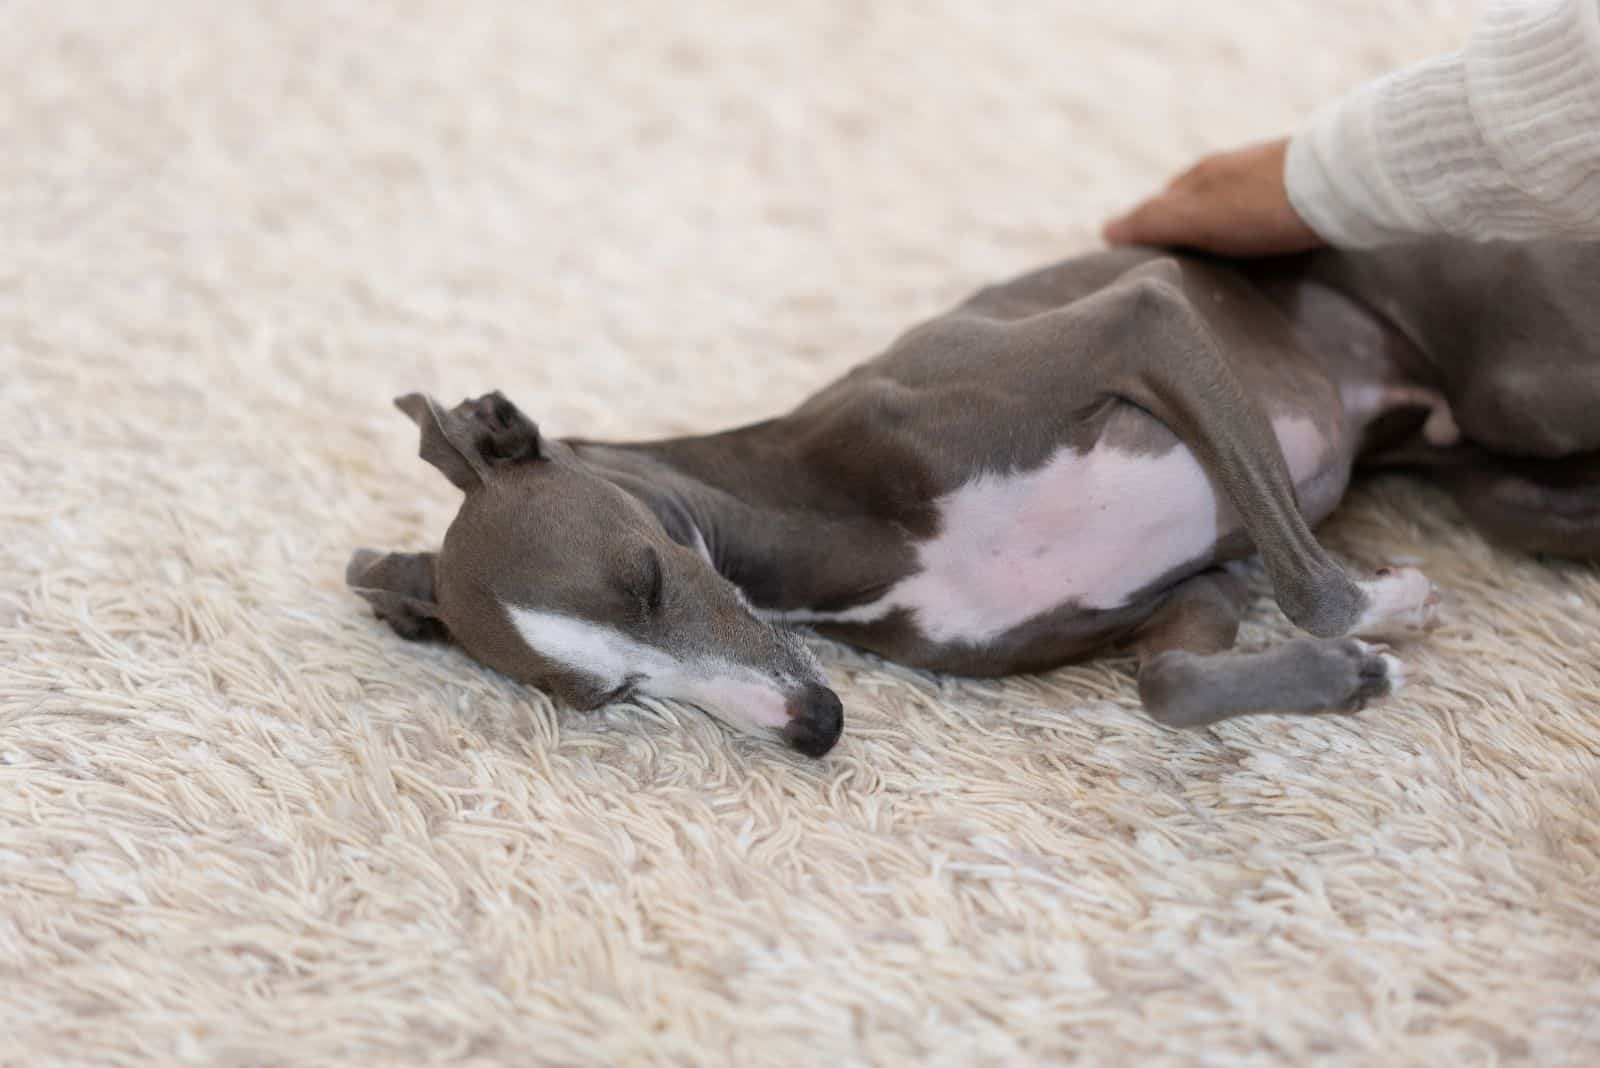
1165, 219
1122, 230
1139, 225
1233, 203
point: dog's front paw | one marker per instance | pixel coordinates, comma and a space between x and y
1401, 603
1379, 672
1366, 672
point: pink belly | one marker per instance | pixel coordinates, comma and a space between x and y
1091, 529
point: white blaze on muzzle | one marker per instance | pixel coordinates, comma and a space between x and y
738, 695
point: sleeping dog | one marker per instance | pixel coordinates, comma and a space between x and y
1072, 460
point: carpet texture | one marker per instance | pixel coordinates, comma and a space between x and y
241, 823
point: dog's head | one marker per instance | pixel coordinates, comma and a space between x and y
555, 576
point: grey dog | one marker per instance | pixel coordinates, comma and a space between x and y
1069, 461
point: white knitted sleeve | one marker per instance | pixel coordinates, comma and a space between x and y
1498, 141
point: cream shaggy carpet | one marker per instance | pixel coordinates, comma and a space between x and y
243, 824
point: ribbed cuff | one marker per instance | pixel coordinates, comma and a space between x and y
1434, 149
1533, 77
1341, 172
1499, 141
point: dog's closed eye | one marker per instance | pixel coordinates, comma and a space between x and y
647, 582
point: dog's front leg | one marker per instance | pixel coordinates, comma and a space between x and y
1189, 678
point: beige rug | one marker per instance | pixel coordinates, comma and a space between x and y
243, 824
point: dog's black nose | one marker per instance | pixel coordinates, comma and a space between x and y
816, 717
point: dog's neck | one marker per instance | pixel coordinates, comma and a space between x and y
742, 498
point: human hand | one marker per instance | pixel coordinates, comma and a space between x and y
1233, 203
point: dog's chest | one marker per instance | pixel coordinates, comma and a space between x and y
1089, 529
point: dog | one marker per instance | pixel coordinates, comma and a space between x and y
1074, 460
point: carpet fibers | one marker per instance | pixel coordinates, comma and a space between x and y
241, 823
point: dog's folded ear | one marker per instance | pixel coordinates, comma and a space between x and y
473, 438
446, 441
500, 432
399, 586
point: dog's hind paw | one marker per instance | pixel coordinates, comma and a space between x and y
1401, 603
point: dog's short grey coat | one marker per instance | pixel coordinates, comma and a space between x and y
694, 544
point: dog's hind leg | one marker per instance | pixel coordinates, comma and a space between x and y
1532, 505
1189, 678
1145, 340
1540, 506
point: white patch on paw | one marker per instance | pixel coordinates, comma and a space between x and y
1394, 669
1402, 603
